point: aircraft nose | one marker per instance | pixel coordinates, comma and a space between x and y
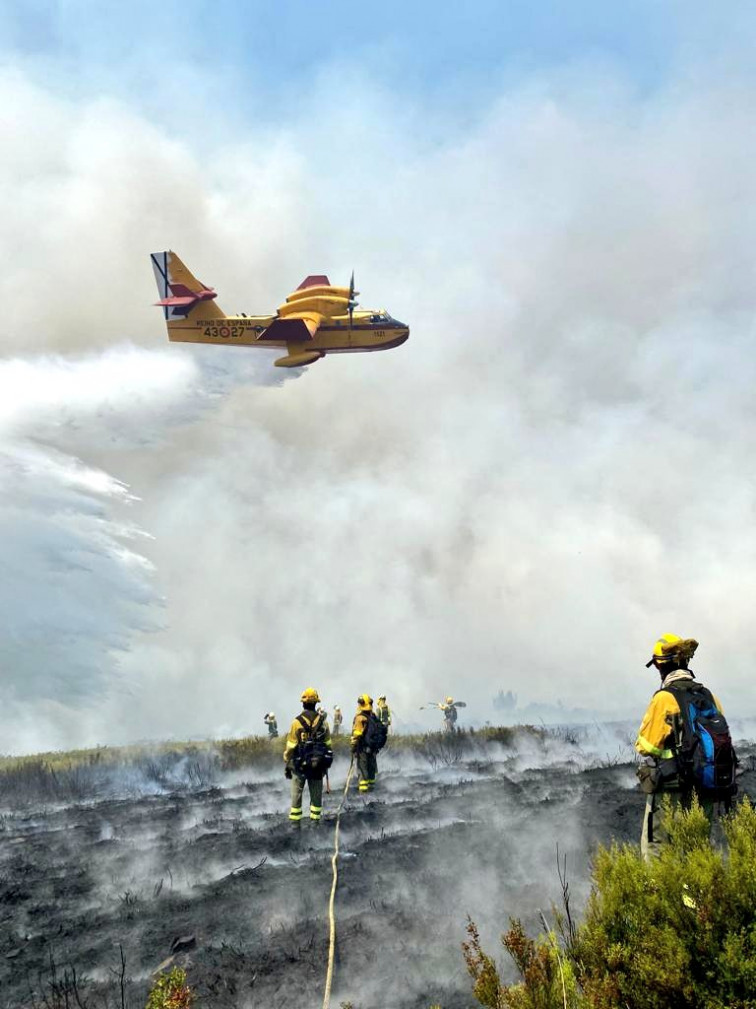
401, 335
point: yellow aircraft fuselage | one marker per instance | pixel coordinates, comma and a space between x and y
314, 321
335, 336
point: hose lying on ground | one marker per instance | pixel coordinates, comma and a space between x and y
331, 916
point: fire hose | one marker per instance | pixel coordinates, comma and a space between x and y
335, 869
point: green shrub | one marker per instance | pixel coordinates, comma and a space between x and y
548, 975
678, 932
170, 991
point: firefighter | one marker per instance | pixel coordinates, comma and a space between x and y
367, 764
307, 756
662, 733
449, 711
383, 711
338, 720
270, 721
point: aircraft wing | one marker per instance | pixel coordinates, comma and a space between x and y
460, 704
292, 329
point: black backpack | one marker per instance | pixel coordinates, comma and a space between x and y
376, 733
706, 758
311, 757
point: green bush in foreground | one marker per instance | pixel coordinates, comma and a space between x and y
170, 991
678, 932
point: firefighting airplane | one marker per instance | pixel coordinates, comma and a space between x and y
317, 319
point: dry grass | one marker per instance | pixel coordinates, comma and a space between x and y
72, 775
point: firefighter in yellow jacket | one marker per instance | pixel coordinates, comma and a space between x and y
383, 711
367, 762
307, 756
659, 737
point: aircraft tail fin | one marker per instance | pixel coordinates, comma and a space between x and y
181, 294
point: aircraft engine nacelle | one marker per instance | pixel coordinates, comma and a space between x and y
326, 306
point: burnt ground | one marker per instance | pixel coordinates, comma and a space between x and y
442, 837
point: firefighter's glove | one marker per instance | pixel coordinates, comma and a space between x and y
287, 772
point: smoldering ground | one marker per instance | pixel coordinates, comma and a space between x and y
453, 829
432, 847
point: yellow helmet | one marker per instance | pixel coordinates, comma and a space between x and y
310, 696
672, 648
450, 700
382, 697
365, 701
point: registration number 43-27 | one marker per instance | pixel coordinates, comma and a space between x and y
224, 332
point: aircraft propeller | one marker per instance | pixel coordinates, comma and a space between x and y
352, 303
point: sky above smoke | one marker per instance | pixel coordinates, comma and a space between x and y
553, 471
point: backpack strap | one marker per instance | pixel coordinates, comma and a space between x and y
682, 687
311, 727
305, 723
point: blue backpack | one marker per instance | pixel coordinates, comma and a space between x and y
706, 759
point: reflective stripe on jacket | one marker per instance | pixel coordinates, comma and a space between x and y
359, 726
656, 737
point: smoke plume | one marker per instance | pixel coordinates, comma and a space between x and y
548, 475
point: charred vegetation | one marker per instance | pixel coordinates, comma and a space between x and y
138, 863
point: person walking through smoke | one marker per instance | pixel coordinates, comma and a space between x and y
383, 711
450, 714
308, 756
685, 743
338, 720
270, 721
448, 709
368, 737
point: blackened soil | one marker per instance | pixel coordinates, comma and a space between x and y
435, 842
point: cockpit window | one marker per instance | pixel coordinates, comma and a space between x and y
380, 317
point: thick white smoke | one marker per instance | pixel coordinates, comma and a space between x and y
549, 474
75, 587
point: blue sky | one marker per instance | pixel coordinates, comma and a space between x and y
264, 54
